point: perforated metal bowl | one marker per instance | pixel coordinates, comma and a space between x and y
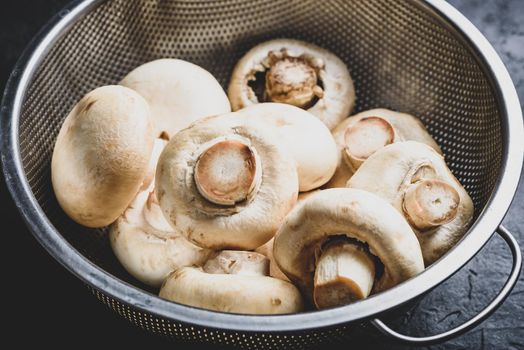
420, 57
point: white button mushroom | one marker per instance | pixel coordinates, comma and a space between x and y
224, 183
414, 178
362, 134
238, 262
101, 155
235, 282
297, 73
307, 139
178, 93
267, 248
328, 246
158, 147
147, 246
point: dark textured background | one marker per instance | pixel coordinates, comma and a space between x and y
47, 305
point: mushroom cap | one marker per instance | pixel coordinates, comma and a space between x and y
238, 262
307, 139
158, 147
178, 92
145, 248
242, 294
406, 127
101, 155
389, 172
267, 250
339, 93
355, 214
244, 225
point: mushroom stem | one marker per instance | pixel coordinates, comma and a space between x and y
365, 138
228, 171
429, 203
234, 262
292, 80
344, 274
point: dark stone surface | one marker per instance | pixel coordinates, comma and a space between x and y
46, 303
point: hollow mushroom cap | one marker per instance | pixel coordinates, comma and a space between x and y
256, 214
355, 214
101, 155
146, 245
338, 97
233, 293
393, 171
178, 92
307, 139
405, 127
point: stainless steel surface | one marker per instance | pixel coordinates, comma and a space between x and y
423, 58
477, 319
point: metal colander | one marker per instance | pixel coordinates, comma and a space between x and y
419, 57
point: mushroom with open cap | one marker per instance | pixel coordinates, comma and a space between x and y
101, 155
178, 92
332, 243
225, 183
415, 179
297, 73
362, 134
235, 282
307, 139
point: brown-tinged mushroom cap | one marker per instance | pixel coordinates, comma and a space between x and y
264, 173
362, 134
297, 73
101, 155
415, 179
352, 215
307, 139
146, 245
178, 92
233, 293
346, 214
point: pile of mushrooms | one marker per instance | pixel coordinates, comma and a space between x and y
237, 211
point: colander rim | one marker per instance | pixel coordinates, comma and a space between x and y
49, 237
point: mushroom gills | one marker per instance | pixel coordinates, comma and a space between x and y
344, 273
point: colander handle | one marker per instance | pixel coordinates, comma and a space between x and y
481, 316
